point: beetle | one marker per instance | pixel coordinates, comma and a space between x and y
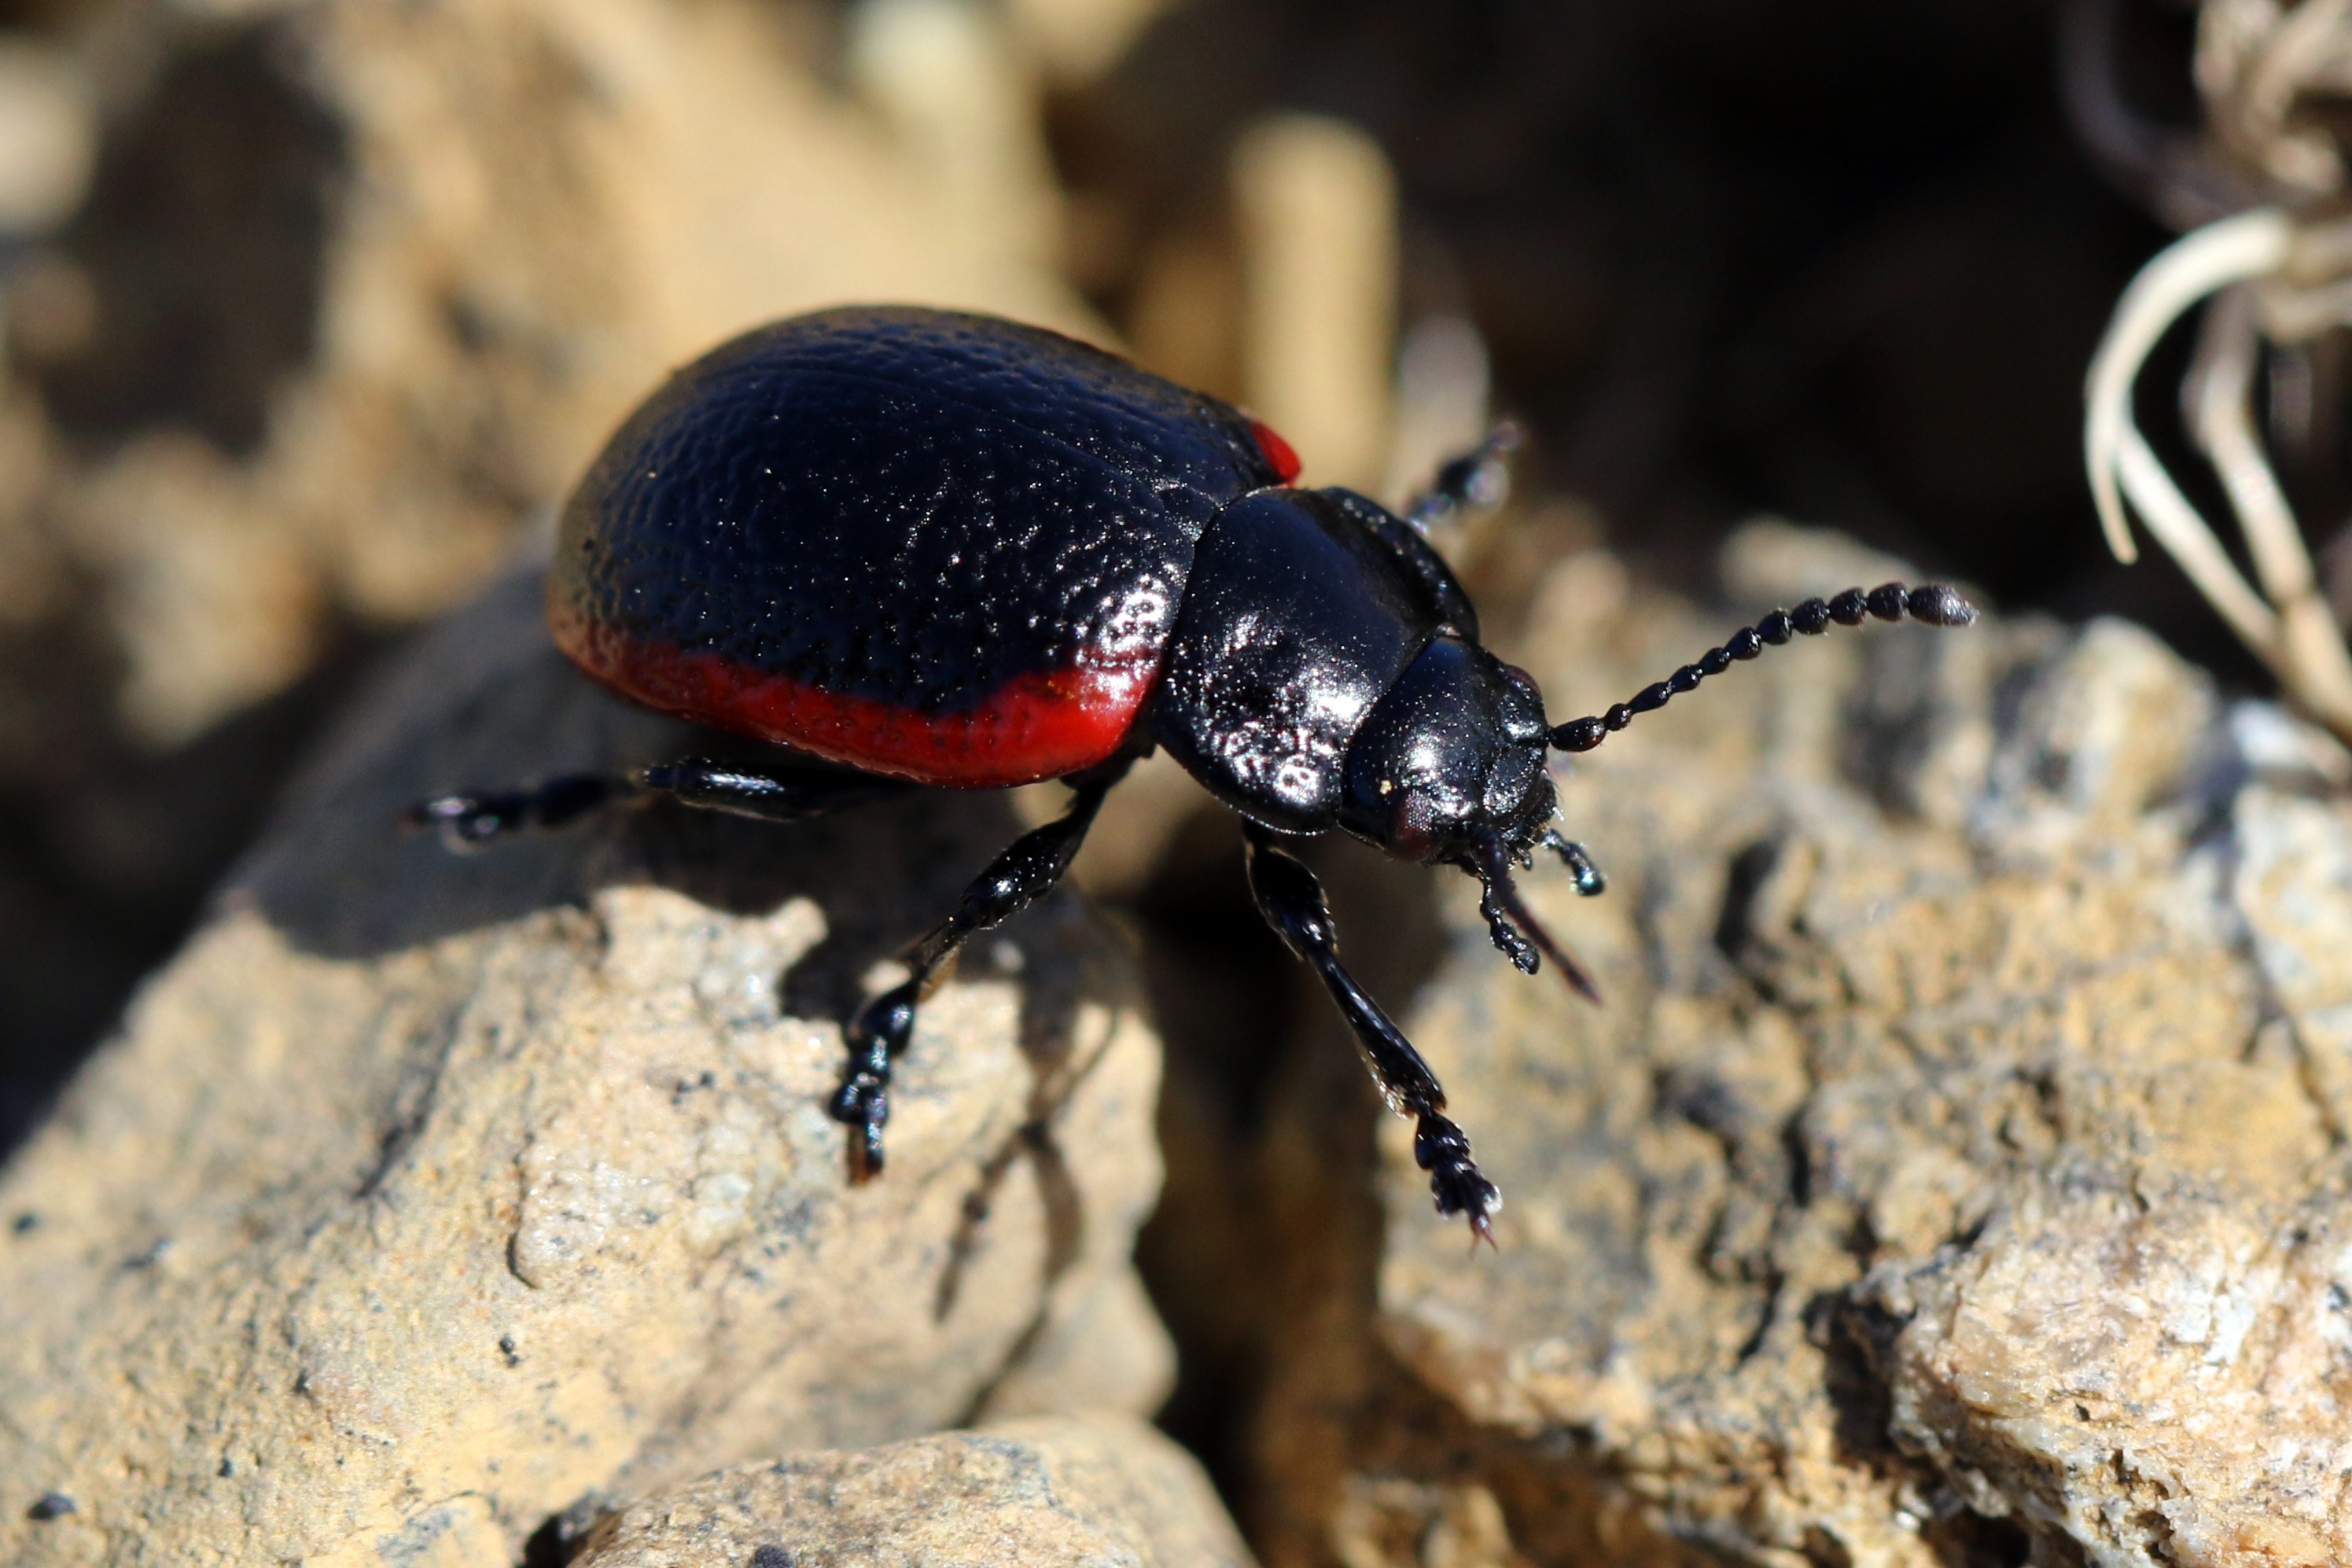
930, 548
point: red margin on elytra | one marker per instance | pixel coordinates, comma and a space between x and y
1034, 726
1277, 451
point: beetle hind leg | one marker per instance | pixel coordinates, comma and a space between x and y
1292, 901
1479, 477
468, 822
1023, 873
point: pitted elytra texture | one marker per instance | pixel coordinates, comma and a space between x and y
909, 505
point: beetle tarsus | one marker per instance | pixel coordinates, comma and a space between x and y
1024, 872
863, 1101
1932, 603
1443, 1149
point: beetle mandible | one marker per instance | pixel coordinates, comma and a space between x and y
929, 548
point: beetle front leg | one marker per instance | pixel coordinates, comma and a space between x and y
1292, 901
1025, 872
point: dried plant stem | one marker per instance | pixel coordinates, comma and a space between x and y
2186, 538
2217, 400
2286, 625
2234, 251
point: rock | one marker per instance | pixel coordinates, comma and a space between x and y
441, 252
1061, 1489
47, 133
423, 1197
346, 297
1956, 1172
1316, 202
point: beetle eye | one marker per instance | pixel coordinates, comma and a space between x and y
1412, 825
1513, 779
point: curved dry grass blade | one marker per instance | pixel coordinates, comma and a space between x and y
2234, 251
2187, 538
2312, 663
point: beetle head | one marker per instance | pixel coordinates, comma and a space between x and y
1448, 769
1450, 758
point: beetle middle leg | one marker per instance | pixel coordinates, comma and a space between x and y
1292, 901
1023, 873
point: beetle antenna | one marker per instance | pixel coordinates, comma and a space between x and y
1930, 602
1516, 931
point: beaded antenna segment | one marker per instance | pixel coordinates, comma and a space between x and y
1931, 603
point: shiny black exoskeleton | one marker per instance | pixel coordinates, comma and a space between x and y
939, 549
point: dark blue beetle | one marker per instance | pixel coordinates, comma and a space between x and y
936, 549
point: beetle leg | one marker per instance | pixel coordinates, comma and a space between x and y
1023, 873
468, 821
1479, 477
1590, 882
1292, 901
771, 797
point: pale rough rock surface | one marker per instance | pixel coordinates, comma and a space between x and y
344, 302
1957, 1170
423, 1197
1045, 1492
